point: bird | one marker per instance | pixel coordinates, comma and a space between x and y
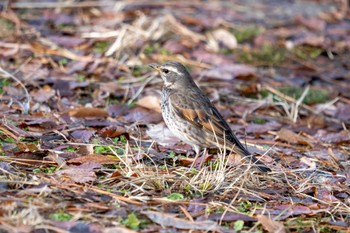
192, 117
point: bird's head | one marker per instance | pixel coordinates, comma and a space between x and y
174, 74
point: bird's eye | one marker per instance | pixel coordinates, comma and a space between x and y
165, 71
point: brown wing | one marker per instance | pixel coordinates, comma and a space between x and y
198, 110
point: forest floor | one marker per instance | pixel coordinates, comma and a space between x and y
83, 146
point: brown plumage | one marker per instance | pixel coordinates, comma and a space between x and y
191, 116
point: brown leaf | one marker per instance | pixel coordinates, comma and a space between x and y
325, 195
162, 135
311, 23
230, 216
293, 138
210, 58
343, 112
81, 174
174, 46
96, 158
83, 135
309, 162
143, 116
229, 72
112, 131
88, 112
66, 41
44, 94
290, 210
327, 137
169, 220
226, 38
271, 225
117, 110
41, 123
150, 102
119, 229
263, 128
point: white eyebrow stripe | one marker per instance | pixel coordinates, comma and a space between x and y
171, 68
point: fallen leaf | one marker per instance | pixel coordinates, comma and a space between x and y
211, 58
343, 112
88, 112
327, 137
97, 158
229, 72
162, 135
311, 23
143, 116
83, 173
293, 210
169, 220
119, 229
226, 38
117, 110
270, 225
43, 94
66, 41
325, 195
83, 135
263, 128
309, 162
150, 102
174, 46
46, 123
293, 138
112, 131
230, 216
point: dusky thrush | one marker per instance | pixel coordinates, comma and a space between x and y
190, 115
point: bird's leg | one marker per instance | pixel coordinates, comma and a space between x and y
197, 149
203, 158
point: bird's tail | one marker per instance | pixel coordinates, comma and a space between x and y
245, 153
262, 167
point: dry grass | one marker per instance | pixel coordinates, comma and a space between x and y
144, 178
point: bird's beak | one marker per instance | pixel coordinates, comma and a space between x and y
155, 66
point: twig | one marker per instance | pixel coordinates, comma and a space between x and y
295, 107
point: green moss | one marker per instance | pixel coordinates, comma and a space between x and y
132, 221
259, 121
243, 34
47, 170
70, 149
155, 48
63, 62
102, 150
238, 225
7, 27
299, 224
8, 140
62, 217
3, 83
307, 52
175, 196
312, 97
266, 55
244, 206
137, 71
123, 139
101, 46
225, 51
172, 154
80, 78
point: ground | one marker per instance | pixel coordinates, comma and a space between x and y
83, 147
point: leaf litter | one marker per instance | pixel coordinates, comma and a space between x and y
83, 147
